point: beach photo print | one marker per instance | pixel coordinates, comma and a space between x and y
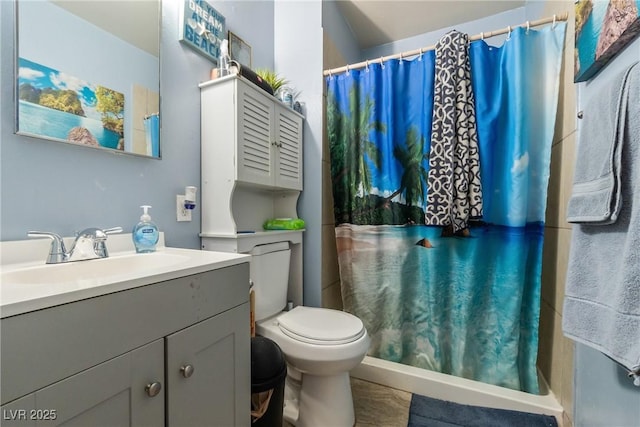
55, 105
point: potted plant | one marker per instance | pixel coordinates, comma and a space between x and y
271, 77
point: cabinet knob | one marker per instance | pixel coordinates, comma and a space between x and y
187, 370
153, 389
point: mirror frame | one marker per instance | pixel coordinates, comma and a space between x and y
128, 105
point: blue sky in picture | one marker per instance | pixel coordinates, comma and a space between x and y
41, 77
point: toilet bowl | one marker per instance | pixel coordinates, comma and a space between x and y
315, 345
320, 345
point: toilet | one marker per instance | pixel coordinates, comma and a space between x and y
320, 345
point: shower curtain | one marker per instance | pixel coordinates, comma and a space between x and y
462, 303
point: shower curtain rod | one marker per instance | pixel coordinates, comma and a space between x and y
551, 19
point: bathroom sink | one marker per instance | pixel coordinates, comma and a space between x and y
27, 283
93, 270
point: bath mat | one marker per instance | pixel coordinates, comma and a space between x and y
427, 412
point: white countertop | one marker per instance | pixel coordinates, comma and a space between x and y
94, 277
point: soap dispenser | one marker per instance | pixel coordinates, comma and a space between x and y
145, 233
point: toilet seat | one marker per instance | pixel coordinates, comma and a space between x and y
321, 326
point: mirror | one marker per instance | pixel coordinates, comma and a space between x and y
88, 72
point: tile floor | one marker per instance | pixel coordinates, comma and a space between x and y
380, 406
377, 405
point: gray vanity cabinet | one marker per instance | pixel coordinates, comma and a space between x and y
175, 353
18, 413
205, 372
119, 392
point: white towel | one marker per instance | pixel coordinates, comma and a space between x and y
602, 296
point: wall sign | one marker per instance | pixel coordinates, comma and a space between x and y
202, 28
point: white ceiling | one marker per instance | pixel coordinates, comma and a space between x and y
376, 22
134, 21
373, 22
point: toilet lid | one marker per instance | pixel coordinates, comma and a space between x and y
321, 326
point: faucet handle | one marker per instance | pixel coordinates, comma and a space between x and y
112, 230
97, 234
52, 236
100, 247
57, 252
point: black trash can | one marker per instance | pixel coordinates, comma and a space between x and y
268, 373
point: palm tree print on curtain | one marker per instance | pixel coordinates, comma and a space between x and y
466, 305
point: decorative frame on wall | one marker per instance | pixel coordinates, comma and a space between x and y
55, 105
603, 29
202, 28
239, 50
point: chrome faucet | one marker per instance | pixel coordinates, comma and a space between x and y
89, 244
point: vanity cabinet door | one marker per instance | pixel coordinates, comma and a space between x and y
20, 413
209, 372
125, 391
255, 142
288, 158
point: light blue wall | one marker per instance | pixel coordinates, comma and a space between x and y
298, 55
604, 395
338, 30
63, 188
252, 21
494, 22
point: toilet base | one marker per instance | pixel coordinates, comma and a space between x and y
325, 401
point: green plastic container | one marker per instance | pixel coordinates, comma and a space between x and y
283, 224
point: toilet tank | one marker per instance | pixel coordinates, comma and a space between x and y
270, 276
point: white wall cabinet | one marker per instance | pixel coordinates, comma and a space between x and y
268, 140
260, 136
251, 170
251, 157
102, 361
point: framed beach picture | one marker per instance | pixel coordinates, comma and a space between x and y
603, 29
239, 50
56, 105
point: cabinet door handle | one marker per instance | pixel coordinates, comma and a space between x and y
153, 389
187, 370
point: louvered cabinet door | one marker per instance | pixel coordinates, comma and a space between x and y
255, 137
288, 155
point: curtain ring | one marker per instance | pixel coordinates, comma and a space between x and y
348, 69
330, 74
482, 35
553, 26
366, 66
509, 34
381, 63
420, 57
401, 53
528, 27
